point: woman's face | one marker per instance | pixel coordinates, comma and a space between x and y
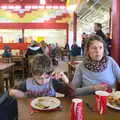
96, 50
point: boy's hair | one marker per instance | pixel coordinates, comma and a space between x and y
41, 64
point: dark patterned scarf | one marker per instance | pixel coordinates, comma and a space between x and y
96, 66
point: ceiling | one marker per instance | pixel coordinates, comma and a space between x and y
94, 11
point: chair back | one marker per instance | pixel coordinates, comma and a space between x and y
29, 63
5, 60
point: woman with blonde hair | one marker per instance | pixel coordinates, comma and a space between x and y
98, 71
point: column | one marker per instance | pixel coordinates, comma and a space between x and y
67, 33
116, 30
74, 26
23, 34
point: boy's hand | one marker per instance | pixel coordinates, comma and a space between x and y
11, 92
16, 93
60, 75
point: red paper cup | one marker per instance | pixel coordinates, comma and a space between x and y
77, 109
101, 101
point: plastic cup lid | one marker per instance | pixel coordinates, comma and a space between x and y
102, 93
77, 100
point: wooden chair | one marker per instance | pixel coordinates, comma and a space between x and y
19, 64
6, 75
29, 64
1, 86
76, 58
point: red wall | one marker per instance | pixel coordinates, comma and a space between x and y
20, 46
33, 25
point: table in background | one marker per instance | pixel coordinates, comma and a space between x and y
25, 112
6, 68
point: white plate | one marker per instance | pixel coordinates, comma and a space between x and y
45, 103
114, 107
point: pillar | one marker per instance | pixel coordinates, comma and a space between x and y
74, 26
116, 30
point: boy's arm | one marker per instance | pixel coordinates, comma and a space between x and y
21, 86
19, 90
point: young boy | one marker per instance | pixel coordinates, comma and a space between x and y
44, 82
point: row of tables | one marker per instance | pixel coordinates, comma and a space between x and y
8, 66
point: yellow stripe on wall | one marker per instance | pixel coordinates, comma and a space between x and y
28, 17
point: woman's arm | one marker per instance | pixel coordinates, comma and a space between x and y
77, 83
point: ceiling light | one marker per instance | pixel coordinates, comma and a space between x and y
43, 2
48, 7
55, 7
17, 7
41, 7
4, 7
28, 7
62, 7
34, 7
11, 7
71, 8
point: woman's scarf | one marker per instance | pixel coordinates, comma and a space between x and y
96, 66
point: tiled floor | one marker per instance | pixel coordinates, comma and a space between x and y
62, 66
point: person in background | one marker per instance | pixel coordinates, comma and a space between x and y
45, 82
33, 49
50, 50
109, 45
7, 52
84, 40
67, 48
54, 55
58, 54
46, 50
98, 71
98, 31
75, 49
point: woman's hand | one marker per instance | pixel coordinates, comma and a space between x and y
100, 87
60, 75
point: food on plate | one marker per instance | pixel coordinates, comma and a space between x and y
41, 106
114, 98
45, 103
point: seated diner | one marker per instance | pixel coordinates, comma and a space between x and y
97, 71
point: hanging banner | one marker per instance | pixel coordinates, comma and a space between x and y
19, 1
